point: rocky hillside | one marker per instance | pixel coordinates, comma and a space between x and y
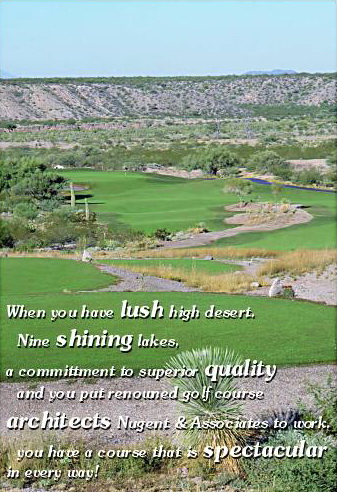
189, 96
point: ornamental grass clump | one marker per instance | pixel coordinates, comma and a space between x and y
198, 412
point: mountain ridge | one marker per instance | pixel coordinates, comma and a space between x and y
160, 97
275, 71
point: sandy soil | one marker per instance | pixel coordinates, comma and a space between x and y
284, 220
37, 144
300, 164
174, 171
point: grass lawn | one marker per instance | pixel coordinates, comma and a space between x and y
31, 276
148, 201
188, 264
283, 332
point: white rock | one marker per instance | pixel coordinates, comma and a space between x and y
86, 256
255, 284
276, 288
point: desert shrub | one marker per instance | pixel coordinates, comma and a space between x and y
6, 238
297, 474
113, 469
270, 162
332, 160
325, 404
308, 177
288, 292
265, 160
331, 177
20, 230
240, 187
26, 210
49, 205
162, 234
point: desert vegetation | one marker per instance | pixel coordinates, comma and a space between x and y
190, 96
299, 262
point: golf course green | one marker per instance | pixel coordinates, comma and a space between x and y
147, 202
283, 332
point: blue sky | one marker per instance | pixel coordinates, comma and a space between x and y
107, 37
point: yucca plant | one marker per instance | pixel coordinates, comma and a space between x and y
212, 409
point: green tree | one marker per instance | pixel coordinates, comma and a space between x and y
6, 238
212, 160
332, 160
268, 161
220, 158
27, 179
242, 188
311, 176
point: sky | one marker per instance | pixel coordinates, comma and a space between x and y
45, 38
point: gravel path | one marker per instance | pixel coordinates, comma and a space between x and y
310, 286
287, 388
133, 282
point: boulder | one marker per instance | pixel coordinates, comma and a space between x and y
208, 257
86, 256
276, 288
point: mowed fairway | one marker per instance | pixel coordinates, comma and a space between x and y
31, 276
283, 332
147, 202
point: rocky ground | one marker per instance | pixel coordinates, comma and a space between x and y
289, 387
313, 286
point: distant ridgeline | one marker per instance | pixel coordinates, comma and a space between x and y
218, 96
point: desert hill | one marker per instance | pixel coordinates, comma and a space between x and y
149, 96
